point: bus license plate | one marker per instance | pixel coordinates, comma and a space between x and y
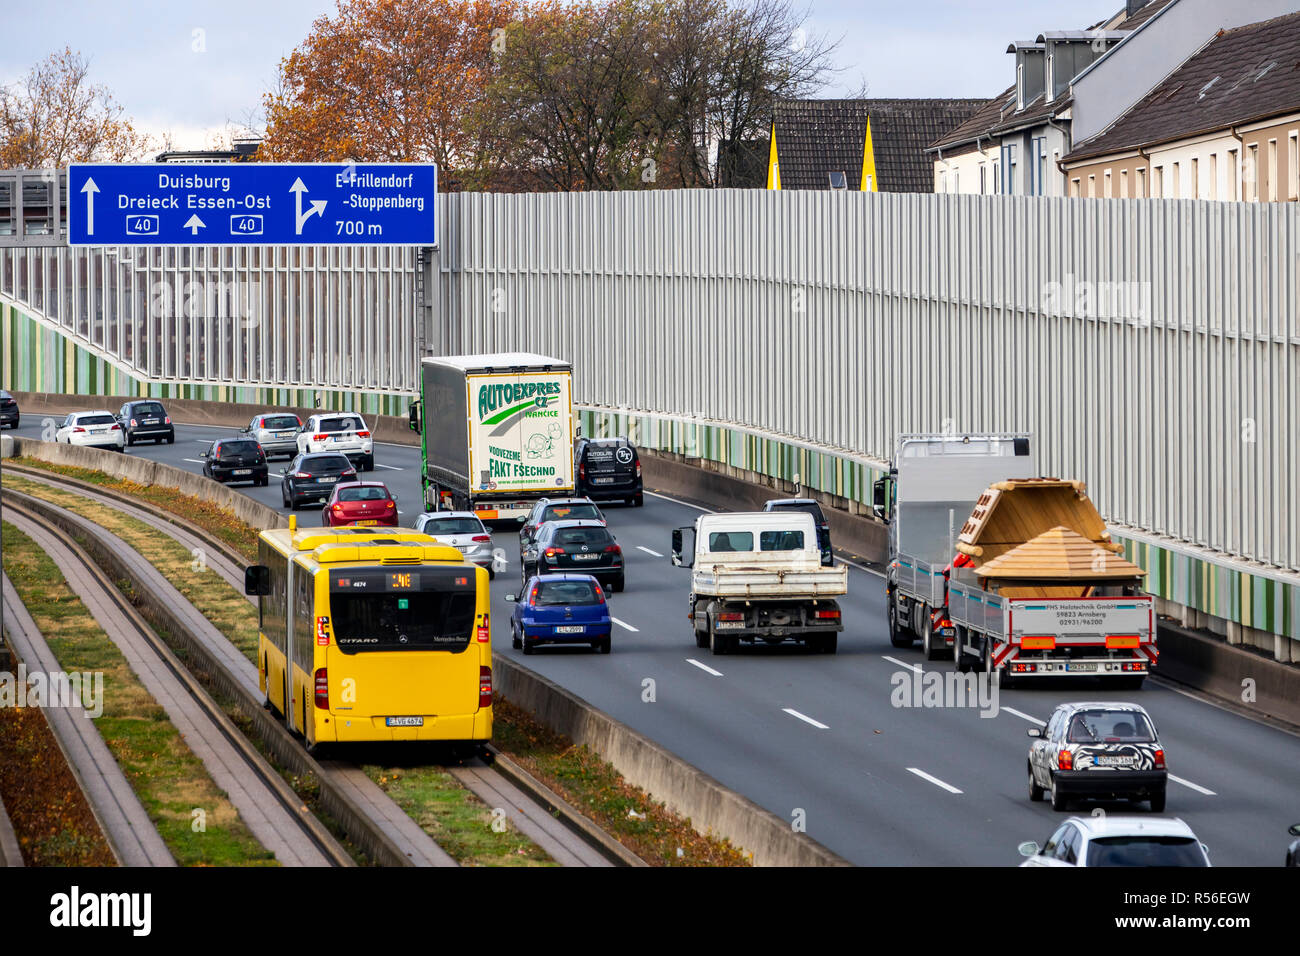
404, 721
570, 629
1081, 668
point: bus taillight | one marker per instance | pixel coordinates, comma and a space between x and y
322, 689
484, 686
323, 632
484, 631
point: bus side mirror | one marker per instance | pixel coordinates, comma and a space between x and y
880, 498
413, 417
257, 580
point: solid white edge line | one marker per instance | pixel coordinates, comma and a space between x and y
197, 461
805, 718
1193, 786
910, 667
704, 667
1016, 713
623, 624
934, 780
648, 551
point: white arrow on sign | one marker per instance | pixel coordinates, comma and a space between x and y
317, 205
194, 224
90, 189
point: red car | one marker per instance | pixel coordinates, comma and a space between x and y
365, 503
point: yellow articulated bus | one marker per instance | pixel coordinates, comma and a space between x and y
372, 634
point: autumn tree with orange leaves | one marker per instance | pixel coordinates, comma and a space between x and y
385, 81
55, 116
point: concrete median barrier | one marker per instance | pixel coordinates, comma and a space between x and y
144, 471
710, 806
189, 411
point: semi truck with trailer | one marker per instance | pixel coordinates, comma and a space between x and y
497, 432
758, 577
1028, 585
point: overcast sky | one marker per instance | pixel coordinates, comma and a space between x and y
191, 68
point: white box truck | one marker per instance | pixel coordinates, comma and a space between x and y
497, 432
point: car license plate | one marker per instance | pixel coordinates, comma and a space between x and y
728, 625
326, 481
285, 434
602, 481
585, 557
99, 431
1113, 761
1081, 668
243, 471
404, 721
570, 629
367, 522
151, 421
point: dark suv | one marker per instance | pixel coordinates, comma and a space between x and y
311, 479
146, 420
586, 547
811, 507
8, 410
607, 468
558, 509
236, 459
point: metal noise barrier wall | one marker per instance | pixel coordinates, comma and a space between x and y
1152, 346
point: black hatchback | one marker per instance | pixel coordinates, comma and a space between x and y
607, 468
8, 410
583, 546
146, 421
311, 479
236, 459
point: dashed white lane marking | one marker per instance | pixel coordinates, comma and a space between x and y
1194, 786
934, 780
624, 624
684, 504
805, 718
910, 667
649, 552
704, 667
389, 467
1015, 713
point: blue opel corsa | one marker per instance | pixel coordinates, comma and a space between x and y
560, 609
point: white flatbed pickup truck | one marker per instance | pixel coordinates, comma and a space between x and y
758, 577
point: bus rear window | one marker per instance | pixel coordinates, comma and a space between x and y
402, 621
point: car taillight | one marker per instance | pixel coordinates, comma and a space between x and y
133, 423
731, 616
322, 689
338, 507
319, 437
301, 474
485, 686
349, 474
484, 631
1065, 760
638, 469
613, 549
116, 427
323, 631
389, 503
552, 552
481, 537
532, 598
78, 428
826, 615
582, 470
166, 420
363, 434
1160, 759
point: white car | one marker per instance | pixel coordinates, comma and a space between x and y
98, 429
465, 532
345, 433
1120, 840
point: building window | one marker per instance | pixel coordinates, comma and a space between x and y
1106, 186
1214, 175
1158, 182
1020, 86
997, 183
1092, 185
1051, 92
1074, 187
1272, 170
838, 179
1009, 169
1232, 190
1195, 190
1176, 180
1293, 165
943, 182
1123, 184
1252, 173
1140, 185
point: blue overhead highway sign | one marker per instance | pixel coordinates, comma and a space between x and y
272, 204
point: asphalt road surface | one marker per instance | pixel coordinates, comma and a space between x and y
821, 739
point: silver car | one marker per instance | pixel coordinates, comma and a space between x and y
276, 432
463, 531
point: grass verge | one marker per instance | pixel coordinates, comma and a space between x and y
589, 783
169, 779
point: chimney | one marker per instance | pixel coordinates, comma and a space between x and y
1134, 6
